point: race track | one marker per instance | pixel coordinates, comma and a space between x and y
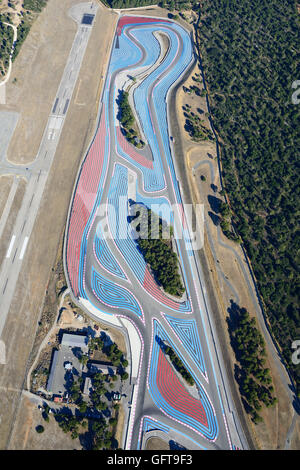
108, 274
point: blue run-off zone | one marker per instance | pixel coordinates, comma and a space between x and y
136, 54
114, 295
126, 56
210, 431
105, 256
187, 331
118, 219
154, 179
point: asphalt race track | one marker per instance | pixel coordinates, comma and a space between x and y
108, 275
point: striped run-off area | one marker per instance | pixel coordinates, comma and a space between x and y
171, 396
130, 150
127, 20
83, 202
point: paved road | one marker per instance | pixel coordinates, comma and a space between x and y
109, 274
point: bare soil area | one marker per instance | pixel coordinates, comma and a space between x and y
37, 72
156, 443
120, 424
5, 185
27, 438
35, 77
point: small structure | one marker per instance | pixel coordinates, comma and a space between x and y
75, 341
116, 396
58, 399
65, 361
96, 367
87, 386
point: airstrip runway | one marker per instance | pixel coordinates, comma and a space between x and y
37, 173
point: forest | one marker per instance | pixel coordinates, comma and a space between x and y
178, 364
250, 57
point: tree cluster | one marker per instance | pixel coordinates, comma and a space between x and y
226, 223
103, 437
127, 120
6, 42
126, 116
254, 378
169, 4
70, 423
112, 352
34, 5
195, 127
179, 366
156, 247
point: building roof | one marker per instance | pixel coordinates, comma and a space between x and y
75, 341
95, 367
65, 362
52, 371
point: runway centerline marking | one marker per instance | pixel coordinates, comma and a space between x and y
12, 241
24, 247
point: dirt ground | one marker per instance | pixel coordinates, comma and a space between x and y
31, 90
5, 185
25, 436
120, 425
155, 443
36, 87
